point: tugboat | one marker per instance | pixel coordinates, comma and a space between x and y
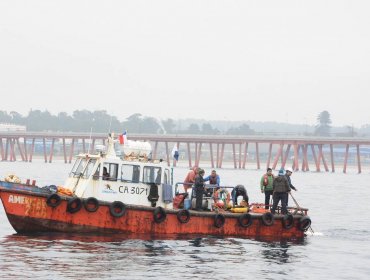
133, 194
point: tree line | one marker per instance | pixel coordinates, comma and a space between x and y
101, 121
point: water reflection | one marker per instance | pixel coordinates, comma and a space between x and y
275, 252
197, 242
96, 256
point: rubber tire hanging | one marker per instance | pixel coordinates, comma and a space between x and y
304, 223
159, 215
74, 205
53, 200
245, 220
183, 216
91, 201
267, 219
117, 205
288, 221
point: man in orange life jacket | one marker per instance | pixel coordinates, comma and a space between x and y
190, 178
266, 186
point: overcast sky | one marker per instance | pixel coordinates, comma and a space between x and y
229, 60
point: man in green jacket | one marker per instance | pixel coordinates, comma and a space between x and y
266, 186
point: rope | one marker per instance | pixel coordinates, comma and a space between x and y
299, 207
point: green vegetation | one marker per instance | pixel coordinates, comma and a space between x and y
101, 121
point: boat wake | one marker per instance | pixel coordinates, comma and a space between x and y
316, 233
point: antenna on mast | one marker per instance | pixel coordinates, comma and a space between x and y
110, 124
88, 151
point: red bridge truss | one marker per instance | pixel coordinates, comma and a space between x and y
242, 152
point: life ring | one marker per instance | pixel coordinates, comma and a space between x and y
288, 221
183, 216
91, 204
219, 220
159, 215
74, 205
222, 195
53, 200
267, 219
117, 209
245, 220
304, 223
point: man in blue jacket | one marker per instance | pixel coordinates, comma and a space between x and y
213, 179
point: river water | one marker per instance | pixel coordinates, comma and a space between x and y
339, 248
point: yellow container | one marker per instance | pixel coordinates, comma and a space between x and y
239, 209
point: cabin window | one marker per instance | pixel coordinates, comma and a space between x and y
110, 171
89, 168
97, 173
152, 175
78, 167
130, 173
75, 165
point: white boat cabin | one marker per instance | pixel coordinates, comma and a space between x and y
131, 179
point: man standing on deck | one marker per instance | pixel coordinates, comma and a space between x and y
266, 186
190, 178
199, 189
288, 173
281, 190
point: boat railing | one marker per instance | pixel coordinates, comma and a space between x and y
207, 186
209, 189
291, 209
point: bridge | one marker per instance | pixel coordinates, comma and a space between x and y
241, 152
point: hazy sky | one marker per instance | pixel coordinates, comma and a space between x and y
218, 60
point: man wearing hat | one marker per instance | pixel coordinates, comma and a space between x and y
288, 173
281, 189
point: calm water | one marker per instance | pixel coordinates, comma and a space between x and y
339, 248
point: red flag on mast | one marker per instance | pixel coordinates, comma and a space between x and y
123, 138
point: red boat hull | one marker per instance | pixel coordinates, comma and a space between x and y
28, 212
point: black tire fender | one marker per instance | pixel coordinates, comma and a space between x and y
74, 205
117, 209
53, 200
183, 216
304, 223
245, 220
288, 221
159, 215
219, 220
267, 219
91, 204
